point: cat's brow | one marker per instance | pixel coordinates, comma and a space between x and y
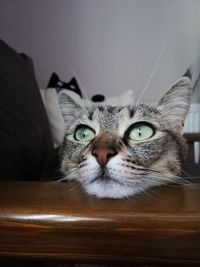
91, 112
111, 109
120, 108
131, 111
101, 108
90, 115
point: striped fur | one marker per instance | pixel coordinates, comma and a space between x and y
134, 166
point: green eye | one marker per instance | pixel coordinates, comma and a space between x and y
141, 131
84, 133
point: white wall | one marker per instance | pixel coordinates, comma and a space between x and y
112, 45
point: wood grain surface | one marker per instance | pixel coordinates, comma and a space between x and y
192, 137
57, 221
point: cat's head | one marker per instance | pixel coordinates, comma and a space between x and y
119, 151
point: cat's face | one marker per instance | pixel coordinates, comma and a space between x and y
116, 152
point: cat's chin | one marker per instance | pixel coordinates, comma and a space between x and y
110, 189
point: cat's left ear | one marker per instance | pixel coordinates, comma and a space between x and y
174, 105
70, 106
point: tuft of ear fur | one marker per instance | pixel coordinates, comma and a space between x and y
69, 106
174, 105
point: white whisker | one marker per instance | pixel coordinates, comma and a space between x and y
72, 186
79, 82
137, 87
154, 70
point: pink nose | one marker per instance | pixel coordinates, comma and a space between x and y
103, 154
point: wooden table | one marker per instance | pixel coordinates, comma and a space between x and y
57, 221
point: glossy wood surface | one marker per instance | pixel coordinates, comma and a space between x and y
47, 220
192, 137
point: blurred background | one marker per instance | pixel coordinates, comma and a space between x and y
110, 45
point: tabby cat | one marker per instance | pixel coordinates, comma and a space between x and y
120, 151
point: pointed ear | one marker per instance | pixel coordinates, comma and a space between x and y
69, 106
174, 105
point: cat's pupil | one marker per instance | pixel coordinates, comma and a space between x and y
139, 131
83, 134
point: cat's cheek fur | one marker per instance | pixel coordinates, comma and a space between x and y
83, 174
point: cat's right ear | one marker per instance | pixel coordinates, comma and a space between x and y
70, 108
174, 105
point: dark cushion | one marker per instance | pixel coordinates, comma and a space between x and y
25, 137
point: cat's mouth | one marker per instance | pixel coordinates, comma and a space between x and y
105, 178
106, 186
